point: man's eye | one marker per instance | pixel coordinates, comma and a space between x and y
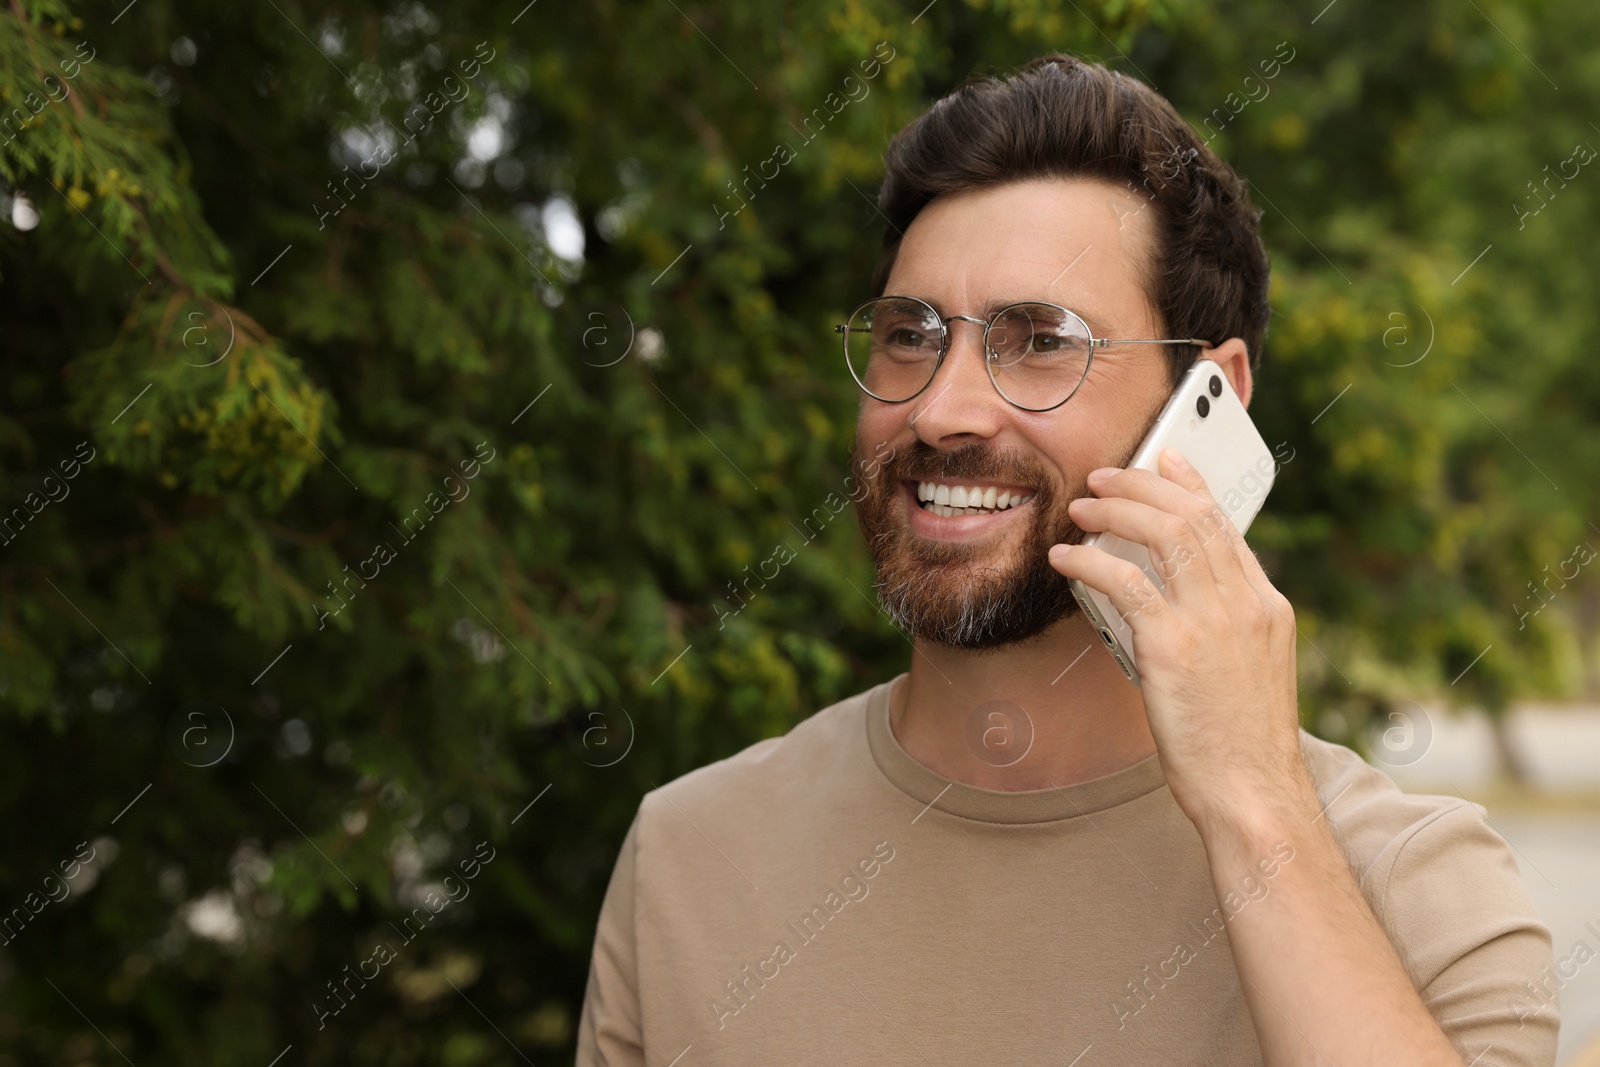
906, 338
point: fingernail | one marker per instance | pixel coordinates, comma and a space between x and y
1175, 457
1101, 473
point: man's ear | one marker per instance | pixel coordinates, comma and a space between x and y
1234, 359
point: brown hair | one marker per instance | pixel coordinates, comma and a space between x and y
1062, 117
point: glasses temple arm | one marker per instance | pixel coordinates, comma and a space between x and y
1104, 343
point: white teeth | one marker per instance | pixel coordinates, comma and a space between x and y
954, 500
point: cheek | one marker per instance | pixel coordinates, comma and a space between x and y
1066, 448
1120, 401
1122, 376
880, 424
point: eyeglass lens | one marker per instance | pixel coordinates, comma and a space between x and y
1038, 354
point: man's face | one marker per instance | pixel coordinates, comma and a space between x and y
980, 578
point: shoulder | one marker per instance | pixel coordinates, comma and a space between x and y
1438, 875
1447, 890
1382, 828
1373, 817
829, 744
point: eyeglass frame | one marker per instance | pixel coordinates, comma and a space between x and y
990, 355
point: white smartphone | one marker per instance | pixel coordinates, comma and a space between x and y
1205, 420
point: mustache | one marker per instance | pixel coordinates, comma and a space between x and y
922, 462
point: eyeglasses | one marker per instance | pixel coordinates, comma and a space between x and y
1037, 354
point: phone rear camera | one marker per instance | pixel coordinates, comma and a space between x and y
1105, 635
1215, 385
1203, 406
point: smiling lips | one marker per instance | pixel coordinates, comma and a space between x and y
951, 500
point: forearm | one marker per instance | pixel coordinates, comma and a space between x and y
1319, 975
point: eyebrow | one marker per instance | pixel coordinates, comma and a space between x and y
1092, 318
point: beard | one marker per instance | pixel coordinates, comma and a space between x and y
969, 595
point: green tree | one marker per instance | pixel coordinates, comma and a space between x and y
398, 400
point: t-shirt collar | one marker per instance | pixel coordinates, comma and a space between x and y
926, 786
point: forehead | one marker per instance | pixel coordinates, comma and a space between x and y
1081, 243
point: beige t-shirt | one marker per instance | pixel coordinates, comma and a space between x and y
823, 898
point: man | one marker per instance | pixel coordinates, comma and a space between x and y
1009, 854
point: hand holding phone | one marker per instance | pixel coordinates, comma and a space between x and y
1206, 422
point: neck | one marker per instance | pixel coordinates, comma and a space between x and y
1050, 711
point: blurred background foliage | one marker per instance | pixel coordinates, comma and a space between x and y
277, 353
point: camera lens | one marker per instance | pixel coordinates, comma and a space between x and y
1203, 406
1216, 385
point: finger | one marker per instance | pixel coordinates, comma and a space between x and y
1172, 543
1223, 544
1192, 526
1231, 556
1244, 564
1129, 589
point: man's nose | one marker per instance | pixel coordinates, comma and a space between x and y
961, 403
